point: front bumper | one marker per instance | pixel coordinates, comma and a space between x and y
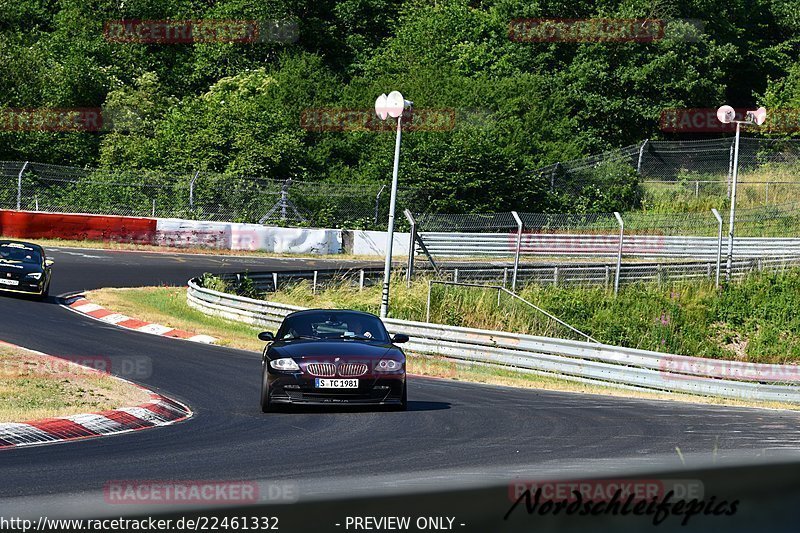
299, 388
25, 287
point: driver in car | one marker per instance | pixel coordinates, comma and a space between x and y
357, 327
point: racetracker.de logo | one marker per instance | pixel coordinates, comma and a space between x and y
339, 119
704, 120
200, 31
586, 30
51, 119
196, 492
677, 367
68, 366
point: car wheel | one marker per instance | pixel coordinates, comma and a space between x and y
403, 405
404, 400
45, 293
266, 405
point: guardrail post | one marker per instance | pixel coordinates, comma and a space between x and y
517, 252
19, 186
314, 284
412, 246
641, 154
275, 281
719, 244
191, 189
608, 275
505, 276
555, 276
455, 275
378, 201
619, 251
361, 280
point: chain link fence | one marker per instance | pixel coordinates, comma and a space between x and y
679, 175
199, 196
654, 176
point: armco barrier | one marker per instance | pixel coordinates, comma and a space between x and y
449, 244
36, 225
576, 360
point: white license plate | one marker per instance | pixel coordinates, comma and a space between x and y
4, 281
325, 383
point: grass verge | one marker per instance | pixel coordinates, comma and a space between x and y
33, 387
167, 305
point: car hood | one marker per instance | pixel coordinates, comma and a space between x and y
333, 348
18, 267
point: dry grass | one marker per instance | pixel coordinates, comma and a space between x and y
33, 387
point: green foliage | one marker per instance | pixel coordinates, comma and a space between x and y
235, 108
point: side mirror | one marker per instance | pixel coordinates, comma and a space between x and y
266, 336
400, 338
48, 262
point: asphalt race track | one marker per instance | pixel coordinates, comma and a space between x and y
449, 426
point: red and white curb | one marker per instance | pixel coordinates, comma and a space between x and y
159, 411
83, 306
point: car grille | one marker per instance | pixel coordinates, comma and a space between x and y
345, 370
321, 369
352, 370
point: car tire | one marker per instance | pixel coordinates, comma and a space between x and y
45, 293
403, 405
266, 405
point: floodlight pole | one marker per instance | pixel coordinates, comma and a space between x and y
387, 270
729, 266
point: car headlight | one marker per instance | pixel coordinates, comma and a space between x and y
34, 275
285, 363
388, 365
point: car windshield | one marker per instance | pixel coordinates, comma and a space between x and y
333, 325
18, 252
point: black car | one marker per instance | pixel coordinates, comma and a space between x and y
324, 356
24, 268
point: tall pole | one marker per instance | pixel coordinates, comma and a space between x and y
733, 202
387, 270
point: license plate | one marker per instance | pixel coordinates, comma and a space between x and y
324, 383
4, 281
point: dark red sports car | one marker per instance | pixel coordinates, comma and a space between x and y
332, 356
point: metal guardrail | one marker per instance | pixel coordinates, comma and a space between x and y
562, 274
457, 245
575, 360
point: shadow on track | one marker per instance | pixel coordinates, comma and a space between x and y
414, 406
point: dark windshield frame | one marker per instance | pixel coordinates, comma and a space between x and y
311, 325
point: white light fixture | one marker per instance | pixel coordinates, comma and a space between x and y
726, 115
393, 106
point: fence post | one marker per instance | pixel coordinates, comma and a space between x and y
378, 201
516, 254
730, 172
619, 251
412, 246
719, 244
641, 155
696, 189
428, 305
19, 186
191, 190
505, 277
